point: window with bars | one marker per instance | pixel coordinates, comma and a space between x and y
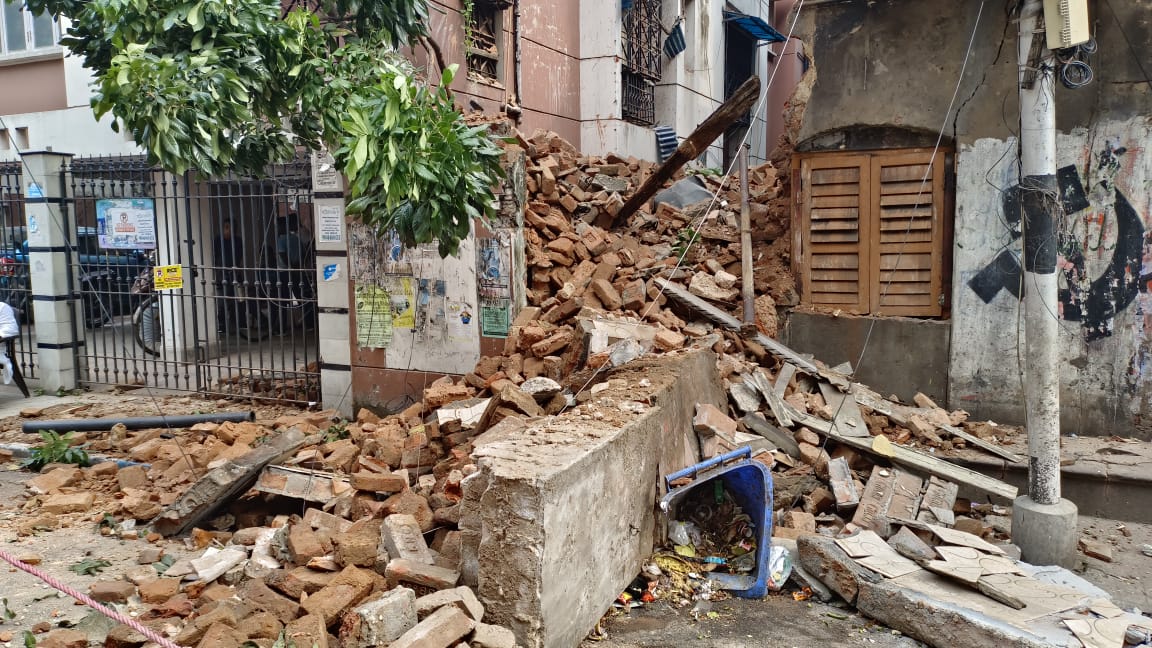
24, 32
874, 231
483, 48
643, 39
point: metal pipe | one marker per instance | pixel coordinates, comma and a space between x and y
746, 241
136, 423
516, 38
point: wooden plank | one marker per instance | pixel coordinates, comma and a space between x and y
842, 236
900, 414
696, 143
840, 275
851, 188
835, 175
838, 224
820, 202
910, 458
845, 213
784, 378
835, 287
905, 187
906, 262
836, 261
717, 316
903, 172
846, 413
897, 200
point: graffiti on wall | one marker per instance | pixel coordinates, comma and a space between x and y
1104, 256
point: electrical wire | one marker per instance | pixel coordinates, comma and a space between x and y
695, 236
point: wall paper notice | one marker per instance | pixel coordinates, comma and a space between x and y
331, 223
461, 324
495, 317
373, 317
494, 267
430, 316
402, 301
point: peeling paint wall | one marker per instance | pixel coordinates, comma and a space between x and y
1105, 265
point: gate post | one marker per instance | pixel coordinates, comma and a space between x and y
53, 277
333, 299
179, 222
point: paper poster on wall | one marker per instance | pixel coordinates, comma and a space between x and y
126, 224
330, 223
325, 176
373, 317
402, 301
493, 267
430, 316
461, 318
495, 317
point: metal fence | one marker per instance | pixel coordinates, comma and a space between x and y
15, 289
233, 312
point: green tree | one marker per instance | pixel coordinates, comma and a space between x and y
209, 85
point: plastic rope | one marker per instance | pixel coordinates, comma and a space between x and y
86, 600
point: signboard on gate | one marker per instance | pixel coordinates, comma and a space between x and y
169, 277
126, 224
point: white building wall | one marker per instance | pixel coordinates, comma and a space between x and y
691, 89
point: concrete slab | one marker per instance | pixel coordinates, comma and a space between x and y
590, 478
941, 612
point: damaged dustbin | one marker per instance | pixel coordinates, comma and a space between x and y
749, 484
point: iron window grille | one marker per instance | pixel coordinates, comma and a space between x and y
642, 37
483, 48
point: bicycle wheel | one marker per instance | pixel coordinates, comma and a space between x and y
146, 326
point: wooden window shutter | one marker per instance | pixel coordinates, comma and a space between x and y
907, 234
834, 260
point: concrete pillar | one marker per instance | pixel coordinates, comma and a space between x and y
176, 211
52, 270
332, 288
1044, 525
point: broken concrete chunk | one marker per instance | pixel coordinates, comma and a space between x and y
710, 421
908, 544
541, 388
1097, 549
214, 562
745, 397
704, 285
381, 621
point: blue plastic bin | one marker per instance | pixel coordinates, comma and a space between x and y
750, 484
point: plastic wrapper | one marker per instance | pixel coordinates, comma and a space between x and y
9, 328
779, 567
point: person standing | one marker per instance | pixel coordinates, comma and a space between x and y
228, 254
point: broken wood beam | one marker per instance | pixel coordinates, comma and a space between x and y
902, 414
223, 484
717, 316
908, 457
695, 144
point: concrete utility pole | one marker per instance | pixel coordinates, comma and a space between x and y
1043, 524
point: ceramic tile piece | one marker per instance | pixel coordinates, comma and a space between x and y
954, 537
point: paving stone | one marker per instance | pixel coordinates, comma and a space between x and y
442, 629
380, 621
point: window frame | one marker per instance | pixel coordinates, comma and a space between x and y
471, 53
874, 282
29, 20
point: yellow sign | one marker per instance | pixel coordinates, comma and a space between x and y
170, 277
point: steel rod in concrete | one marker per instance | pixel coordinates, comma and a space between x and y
135, 423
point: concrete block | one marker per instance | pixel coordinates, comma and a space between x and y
401, 535
381, 621
594, 544
1046, 534
442, 629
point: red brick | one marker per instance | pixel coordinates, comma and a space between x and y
309, 630
347, 589
710, 420
378, 483
406, 571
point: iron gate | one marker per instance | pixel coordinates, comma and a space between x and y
203, 285
15, 287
